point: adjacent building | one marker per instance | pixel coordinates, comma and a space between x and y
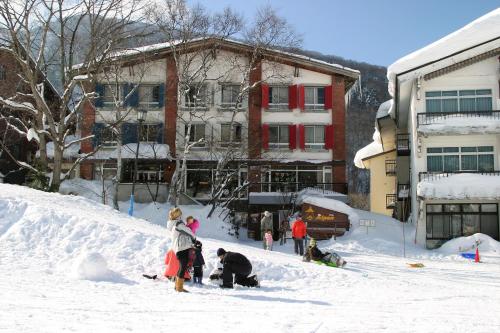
446, 124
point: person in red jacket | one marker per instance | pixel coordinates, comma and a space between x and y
298, 235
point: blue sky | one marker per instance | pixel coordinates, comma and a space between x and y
375, 31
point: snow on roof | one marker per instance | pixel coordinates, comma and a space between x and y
460, 124
385, 109
479, 31
461, 186
369, 150
166, 45
69, 153
147, 150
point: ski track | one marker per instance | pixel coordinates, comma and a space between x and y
40, 241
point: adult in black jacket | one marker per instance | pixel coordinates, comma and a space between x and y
237, 264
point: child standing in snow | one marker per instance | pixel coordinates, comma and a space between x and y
268, 236
198, 263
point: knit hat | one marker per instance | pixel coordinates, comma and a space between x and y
220, 252
198, 244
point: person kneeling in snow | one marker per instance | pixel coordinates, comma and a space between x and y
313, 253
240, 266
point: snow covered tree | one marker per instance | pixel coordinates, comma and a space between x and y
52, 36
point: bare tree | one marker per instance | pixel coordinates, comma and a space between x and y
55, 35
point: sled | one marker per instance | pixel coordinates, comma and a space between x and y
471, 256
416, 265
329, 264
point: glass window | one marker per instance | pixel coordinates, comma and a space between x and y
433, 105
196, 96
463, 100
315, 136
467, 208
111, 93
450, 150
278, 136
149, 95
149, 132
434, 150
434, 163
471, 224
197, 133
490, 208
434, 208
314, 98
485, 163
469, 162
452, 159
468, 149
107, 170
485, 149
489, 225
451, 208
109, 137
230, 93
226, 133
278, 97
451, 163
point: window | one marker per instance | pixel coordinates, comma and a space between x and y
112, 93
314, 98
107, 170
149, 132
147, 172
196, 134
3, 73
278, 136
196, 96
230, 93
278, 97
455, 220
149, 95
459, 100
452, 159
315, 136
225, 133
108, 137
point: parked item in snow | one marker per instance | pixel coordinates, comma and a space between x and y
238, 265
332, 259
415, 265
151, 277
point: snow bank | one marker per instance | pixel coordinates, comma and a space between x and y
369, 150
90, 189
460, 124
481, 30
467, 244
460, 186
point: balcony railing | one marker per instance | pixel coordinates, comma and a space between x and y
429, 118
403, 144
390, 201
390, 167
403, 191
296, 187
432, 176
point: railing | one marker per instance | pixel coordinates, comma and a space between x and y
431, 176
428, 118
390, 167
403, 144
403, 191
390, 201
296, 187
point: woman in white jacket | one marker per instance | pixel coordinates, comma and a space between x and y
182, 242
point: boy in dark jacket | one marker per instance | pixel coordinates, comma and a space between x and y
237, 264
198, 263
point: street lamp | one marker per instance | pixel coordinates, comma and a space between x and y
141, 117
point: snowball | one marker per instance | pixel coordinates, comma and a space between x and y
92, 266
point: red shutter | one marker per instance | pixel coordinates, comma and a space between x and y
265, 96
292, 97
292, 137
265, 136
302, 137
328, 97
329, 137
302, 97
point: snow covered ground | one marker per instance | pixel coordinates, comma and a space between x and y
70, 264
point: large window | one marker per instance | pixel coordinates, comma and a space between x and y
453, 159
278, 97
112, 93
149, 95
109, 137
225, 133
459, 100
315, 136
196, 96
455, 220
314, 98
149, 132
279, 136
147, 172
196, 134
229, 95
295, 178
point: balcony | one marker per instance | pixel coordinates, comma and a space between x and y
390, 201
296, 187
403, 144
466, 122
403, 192
390, 167
433, 176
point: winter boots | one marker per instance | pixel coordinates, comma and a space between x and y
179, 285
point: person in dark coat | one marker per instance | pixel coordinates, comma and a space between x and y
198, 263
237, 264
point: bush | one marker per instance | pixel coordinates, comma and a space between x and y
359, 201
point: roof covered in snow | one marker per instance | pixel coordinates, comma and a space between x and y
460, 186
372, 149
482, 30
385, 108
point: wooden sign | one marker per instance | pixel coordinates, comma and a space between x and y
323, 223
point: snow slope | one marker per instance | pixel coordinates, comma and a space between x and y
70, 264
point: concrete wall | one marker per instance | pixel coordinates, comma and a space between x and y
380, 183
142, 193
